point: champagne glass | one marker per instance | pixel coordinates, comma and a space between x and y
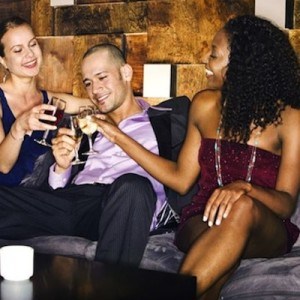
77, 136
58, 113
88, 126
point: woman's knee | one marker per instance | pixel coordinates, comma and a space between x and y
245, 210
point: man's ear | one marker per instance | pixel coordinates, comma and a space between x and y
126, 72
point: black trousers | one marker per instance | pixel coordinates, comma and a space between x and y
117, 215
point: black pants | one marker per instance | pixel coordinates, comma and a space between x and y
117, 215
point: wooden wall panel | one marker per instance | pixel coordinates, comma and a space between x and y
42, 17
190, 79
102, 18
99, 1
181, 33
136, 56
57, 70
294, 36
297, 14
10, 8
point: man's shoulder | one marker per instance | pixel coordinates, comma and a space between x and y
176, 105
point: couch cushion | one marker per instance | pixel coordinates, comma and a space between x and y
61, 245
161, 254
296, 219
261, 279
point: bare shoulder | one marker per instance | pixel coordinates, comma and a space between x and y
207, 99
290, 121
206, 105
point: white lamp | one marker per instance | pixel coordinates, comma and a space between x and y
157, 80
61, 2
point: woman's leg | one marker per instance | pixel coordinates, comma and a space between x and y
250, 230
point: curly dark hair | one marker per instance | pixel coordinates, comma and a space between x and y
263, 77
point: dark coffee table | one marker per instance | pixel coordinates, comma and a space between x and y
59, 277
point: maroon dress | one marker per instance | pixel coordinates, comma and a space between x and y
234, 164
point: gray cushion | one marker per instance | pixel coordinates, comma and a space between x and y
276, 278
161, 254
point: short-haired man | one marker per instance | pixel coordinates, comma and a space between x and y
112, 199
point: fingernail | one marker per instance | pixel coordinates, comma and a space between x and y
210, 223
204, 218
218, 222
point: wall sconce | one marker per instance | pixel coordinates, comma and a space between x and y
61, 2
280, 12
157, 81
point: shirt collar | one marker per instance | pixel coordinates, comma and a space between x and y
145, 105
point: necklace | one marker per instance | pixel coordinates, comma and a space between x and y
218, 157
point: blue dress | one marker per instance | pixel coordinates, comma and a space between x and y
29, 152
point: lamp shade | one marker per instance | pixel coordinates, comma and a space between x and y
157, 80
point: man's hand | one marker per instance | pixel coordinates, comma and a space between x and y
63, 147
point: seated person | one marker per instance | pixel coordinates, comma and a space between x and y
112, 200
244, 137
22, 103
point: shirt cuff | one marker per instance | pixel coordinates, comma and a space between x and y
58, 180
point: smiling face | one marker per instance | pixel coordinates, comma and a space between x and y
107, 81
22, 53
218, 60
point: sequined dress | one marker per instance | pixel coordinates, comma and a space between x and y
234, 161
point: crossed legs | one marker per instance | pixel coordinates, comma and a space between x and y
250, 230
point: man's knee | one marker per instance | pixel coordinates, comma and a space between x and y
134, 188
130, 180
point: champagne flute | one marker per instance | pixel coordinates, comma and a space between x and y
88, 126
58, 113
77, 136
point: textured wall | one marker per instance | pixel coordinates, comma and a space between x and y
154, 31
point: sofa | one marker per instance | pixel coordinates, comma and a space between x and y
259, 279
277, 278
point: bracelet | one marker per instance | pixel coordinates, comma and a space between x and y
16, 139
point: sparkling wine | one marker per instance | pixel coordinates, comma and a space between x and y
87, 125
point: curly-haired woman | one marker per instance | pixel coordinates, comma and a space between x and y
247, 127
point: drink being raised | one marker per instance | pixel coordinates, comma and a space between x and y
87, 125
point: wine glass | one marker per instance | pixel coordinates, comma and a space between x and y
58, 113
88, 126
77, 136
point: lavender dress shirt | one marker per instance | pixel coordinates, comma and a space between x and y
111, 162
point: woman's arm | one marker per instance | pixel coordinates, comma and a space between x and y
72, 103
26, 122
283, 199
179, 176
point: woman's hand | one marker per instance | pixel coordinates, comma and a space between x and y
107, 127
222, 199
63, 147
33, 120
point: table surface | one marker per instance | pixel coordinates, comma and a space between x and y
59, 277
